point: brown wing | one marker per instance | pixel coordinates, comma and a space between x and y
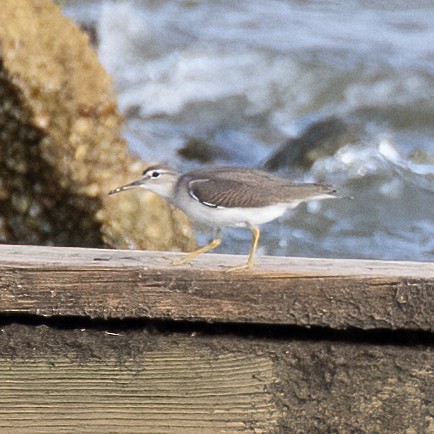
229, 193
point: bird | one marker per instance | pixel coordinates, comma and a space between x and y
222, 197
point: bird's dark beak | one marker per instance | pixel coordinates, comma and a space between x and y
133, 184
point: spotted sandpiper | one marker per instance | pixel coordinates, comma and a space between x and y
228, 197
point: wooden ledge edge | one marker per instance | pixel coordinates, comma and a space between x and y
100, 283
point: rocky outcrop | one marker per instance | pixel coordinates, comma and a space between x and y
319, 140
60, 145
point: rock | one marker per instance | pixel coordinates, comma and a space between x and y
320, 140
200, 150
60, 145
419, 156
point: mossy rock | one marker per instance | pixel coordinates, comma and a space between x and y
61, 149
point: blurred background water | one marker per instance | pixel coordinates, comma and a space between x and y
230, 82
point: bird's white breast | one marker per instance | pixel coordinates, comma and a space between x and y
233, 217
236, 216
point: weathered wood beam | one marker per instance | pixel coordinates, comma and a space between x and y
295, 291
124, 381
87, 381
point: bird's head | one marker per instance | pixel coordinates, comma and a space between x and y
158, 179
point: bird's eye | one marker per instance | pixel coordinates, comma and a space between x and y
155, 174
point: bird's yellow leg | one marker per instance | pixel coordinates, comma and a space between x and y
192, 255
251, 259
255, 241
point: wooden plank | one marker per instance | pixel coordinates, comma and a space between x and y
298, 291
98, 383
118, 380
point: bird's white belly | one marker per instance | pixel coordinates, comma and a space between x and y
234, 217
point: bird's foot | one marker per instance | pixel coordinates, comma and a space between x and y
183, 261
245, 267
187, 259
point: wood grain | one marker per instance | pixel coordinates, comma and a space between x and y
141, 381
296, 291
165, 389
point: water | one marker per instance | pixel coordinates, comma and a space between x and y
246, 76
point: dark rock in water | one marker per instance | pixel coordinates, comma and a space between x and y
320, 140
61, 149
420, 156
200, 150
